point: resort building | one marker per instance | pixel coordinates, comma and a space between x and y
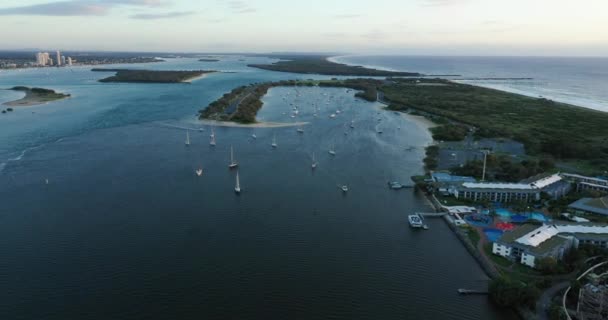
529, 243
591, 205
497, 192
513, 192
587, 183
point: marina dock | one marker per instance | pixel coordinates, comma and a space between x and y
468, 291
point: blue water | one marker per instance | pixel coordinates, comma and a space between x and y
521, 217
125, 230
493, 234
578, 81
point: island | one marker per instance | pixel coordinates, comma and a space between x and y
547, 129
35, 96
242, 104
151, 76
315, 64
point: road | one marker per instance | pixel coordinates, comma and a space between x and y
544, 302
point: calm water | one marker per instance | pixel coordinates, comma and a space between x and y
125, 230
578, 81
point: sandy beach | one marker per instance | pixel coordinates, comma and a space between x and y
30, 100
192, 79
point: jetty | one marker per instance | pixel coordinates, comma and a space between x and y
469, 291
431, 214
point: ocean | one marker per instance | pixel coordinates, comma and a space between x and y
578, 81
124, 229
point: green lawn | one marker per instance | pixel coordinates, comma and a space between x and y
473, 235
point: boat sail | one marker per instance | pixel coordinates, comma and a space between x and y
237, 187
314, 161
233, 164
199, 172
274, 141
332, 150
212, 143
187, 138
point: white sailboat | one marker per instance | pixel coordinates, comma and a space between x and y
237, 187
233, 164
300, 130
187, 138
212, 143
199, 172
212, 135
332, 151
314, 161
344, 188
274, 141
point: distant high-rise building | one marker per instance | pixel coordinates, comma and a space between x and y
50, 62
42, 58
69, 61
58, 58
63, 60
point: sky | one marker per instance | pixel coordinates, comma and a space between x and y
430, 27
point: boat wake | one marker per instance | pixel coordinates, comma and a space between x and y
23, 152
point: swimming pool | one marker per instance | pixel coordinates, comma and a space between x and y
521, 217
492, 234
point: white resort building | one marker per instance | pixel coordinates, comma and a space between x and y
529, 243
553, 185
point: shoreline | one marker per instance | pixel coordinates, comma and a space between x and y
30, 99
596, 106
195, 78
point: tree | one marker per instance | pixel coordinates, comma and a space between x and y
508, 293
547, 265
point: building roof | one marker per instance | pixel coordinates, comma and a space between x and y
593, 205
540, 239
578, 176
547, 181
495, 185
446, 177
538, 235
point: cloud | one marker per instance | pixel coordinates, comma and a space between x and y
153, 16
77, 8
240, 7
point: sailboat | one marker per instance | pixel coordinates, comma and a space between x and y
187, 138
233, 164
212, 135
352, 124
332, 151
253, 136
314, 161
212, 143
344, 188
237, 187
300, 130
274, 141
199, 172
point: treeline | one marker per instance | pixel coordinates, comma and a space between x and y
320, 65
563, 131
503, 168
151, 76
450, 132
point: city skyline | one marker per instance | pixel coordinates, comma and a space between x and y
435, 27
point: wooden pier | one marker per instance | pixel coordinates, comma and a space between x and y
468, 291
431, 214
